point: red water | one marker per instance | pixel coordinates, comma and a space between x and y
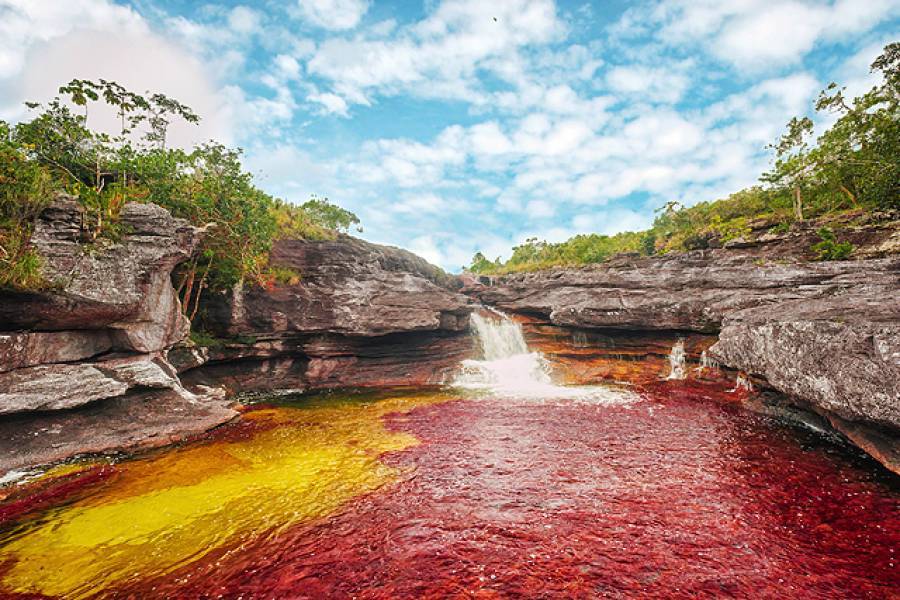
678, 496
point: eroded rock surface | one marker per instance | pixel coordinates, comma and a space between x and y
361, 315
840, 354
689, 292
94, 342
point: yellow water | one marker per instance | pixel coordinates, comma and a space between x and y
162, 512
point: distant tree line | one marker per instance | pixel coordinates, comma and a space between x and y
853, 167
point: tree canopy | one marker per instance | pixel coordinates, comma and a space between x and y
57, 150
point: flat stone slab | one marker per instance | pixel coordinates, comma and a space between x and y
137, 421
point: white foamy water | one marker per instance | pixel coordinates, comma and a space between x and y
677, 361
509, 369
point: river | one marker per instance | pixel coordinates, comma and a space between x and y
499, 485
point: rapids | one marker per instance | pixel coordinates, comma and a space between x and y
502, 485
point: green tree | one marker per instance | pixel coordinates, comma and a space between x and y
793, 166
329, 215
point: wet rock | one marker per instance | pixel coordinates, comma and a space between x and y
142, 419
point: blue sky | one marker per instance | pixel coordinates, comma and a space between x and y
454, 126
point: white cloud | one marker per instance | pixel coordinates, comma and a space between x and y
244, 20
445, 50
331, 103
661, 84
759, 34
139, 60
333, 14
24, 23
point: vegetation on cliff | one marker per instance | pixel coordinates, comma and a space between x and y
853, 168
58, 151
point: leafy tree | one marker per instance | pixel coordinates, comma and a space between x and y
793, 166
329, 215
207, 186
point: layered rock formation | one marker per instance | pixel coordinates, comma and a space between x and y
827, 334
361, 315
90, 363
98, 334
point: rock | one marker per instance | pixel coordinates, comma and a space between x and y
347, 286
692, 291
125, 423
123, 287
840, 355
62, 386
361, 315
86, 357
54, 387
30, 348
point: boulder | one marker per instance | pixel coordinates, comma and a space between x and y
840, 355
121, 286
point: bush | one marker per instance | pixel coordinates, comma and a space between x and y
829, 248
208, 185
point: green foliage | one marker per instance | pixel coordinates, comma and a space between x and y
330, 216
207, 186
276, 274
206, 339
829, 248
480, 264
24, 193
853, 166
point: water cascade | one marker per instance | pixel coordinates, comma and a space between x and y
742, 382
509, 369
677, 361
707, 363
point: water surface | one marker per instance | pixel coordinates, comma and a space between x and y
678, 493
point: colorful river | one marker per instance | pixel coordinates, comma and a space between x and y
676, 493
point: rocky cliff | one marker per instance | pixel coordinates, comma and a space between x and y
826, 334
361, 315
83, 362
91, 362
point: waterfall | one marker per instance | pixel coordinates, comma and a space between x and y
508, 369
677, 361
707, 363
500, 337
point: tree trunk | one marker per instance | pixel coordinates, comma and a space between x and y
188, 290
200, 287
850, 195
798, 204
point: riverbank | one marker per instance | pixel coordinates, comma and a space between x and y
103, 361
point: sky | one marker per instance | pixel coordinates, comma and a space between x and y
453, 126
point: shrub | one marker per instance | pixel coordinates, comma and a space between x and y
829, 248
